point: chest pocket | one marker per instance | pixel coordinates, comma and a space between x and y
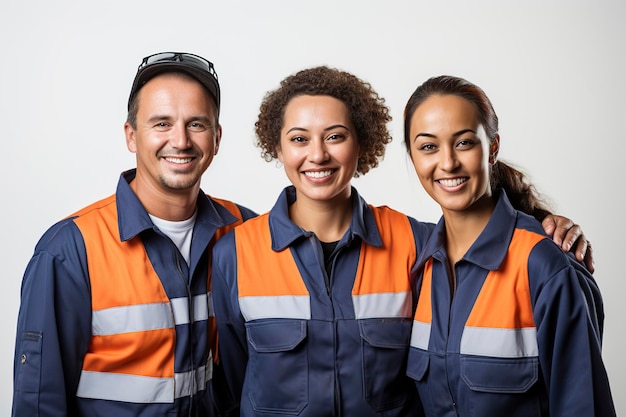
500, 386
385, 345
277, 358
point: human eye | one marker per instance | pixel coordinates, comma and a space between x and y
161, 125
466, 143
426, 147
298, 139
335, 137
197, 126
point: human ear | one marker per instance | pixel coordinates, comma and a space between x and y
218, 139
129, 132
493, 150
279, 153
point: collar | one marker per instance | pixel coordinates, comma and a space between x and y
491, 246
284, 232
133, 217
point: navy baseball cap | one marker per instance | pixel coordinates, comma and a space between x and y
199, 68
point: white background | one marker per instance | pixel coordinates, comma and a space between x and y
555, 71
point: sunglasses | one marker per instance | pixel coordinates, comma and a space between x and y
190, 59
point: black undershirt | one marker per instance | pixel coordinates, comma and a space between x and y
328, 248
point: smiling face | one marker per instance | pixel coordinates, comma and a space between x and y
175, 138
318, 148
451, 152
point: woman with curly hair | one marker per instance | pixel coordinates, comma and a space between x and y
314, 299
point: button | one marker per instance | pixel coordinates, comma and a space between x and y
23, 358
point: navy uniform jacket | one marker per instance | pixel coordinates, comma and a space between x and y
296, 341
522, 334
57, 328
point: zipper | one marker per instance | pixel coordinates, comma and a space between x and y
187, 283
334, 257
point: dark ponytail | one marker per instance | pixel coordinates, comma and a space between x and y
523, 195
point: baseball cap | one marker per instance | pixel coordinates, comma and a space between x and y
199, 68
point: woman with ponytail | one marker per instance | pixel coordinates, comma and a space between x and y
506, 323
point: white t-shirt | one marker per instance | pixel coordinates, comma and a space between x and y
179, 232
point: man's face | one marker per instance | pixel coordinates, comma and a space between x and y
176, 135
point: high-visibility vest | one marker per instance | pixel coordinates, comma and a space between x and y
131, 354
354, 338
271, 286
501, 322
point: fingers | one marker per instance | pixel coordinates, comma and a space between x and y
565, 232
583, 252
588, 258
573, 238
570, 237
549, 224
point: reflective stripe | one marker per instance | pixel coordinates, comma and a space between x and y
202, 308
185, 385
143, 389
134, 318
390, 304
420, 335
180, 308
127, 388
142, 317
504, 343
276, 307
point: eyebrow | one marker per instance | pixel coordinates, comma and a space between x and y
301, 129
456, 134
158, 117
204, 119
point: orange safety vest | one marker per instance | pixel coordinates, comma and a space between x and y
131, 354
501, 322
270, 284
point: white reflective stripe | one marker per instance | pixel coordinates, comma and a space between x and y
201, 307
420, 335
142, 317
143, 389
134, 318
276, 307
390, 304
503, 343
189, 383
180, 306
127, 388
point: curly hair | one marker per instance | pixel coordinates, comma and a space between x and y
368, 111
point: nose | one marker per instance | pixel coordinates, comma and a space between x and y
448, 161
317, 151
179, 137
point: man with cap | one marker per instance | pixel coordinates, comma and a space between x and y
116, 314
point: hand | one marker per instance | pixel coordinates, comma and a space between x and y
570, 237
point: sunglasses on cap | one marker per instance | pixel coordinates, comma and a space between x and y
190, 59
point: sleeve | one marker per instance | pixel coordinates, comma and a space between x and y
232, 342
569, 347
592, 294
53, 327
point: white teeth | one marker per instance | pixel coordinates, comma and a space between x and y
453, 182
318, 174
178, 160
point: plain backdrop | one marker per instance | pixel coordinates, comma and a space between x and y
553, 69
